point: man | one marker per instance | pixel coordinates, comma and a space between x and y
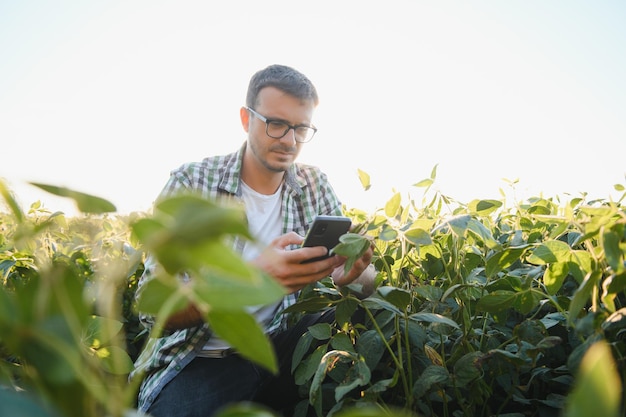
193, 372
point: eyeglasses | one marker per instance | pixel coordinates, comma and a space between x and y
277, 128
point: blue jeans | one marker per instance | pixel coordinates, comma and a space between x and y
206, 384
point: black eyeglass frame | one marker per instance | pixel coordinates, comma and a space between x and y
282, 122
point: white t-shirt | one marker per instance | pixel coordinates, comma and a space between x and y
264, 223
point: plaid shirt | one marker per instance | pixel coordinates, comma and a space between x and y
305, 194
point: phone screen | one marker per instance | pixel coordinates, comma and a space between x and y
326, 231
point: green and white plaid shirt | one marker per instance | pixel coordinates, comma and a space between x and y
305, 194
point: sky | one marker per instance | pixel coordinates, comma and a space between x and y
107, 97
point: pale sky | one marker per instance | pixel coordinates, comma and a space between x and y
106, 97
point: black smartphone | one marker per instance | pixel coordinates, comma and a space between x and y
325, 231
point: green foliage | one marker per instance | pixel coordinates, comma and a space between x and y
599, 381
63, 307
69, 330
85, 203
481, 309
188, 234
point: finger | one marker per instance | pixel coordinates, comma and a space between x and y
295, 283
304, 254
291, 238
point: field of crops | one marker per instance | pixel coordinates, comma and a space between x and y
483, 308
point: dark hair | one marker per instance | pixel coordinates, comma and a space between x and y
285, 79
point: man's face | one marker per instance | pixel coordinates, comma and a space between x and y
276, 155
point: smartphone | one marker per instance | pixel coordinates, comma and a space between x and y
325, 231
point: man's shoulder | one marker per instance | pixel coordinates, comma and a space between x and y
209, 163
208, 174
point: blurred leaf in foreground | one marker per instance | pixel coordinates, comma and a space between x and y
598, 388
85, 203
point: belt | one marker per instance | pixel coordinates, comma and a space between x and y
216, 353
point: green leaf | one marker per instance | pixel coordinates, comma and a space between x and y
341, 341
100, 330
397, 296
196, 219
327, 363
364, 178
309, 305
186, 232
433, 172
382, 385
612, 250
242, 409
302, 347
392, 208
526, 301
352, 246
359, 375
8, 310
531, 331
583, 294
85, 203
149, 231
321, 331
155, 294
373, 411
224, 290
466, 369
424, 183
11, 202
245, 335
344, 310
612, 286
433, 374
509, 357
503, 259
549, 252
418, 236
52, 355
481, 232
457, 224
371, 347
581, 264
598, 386
22, 404
554, 276
499, 301
433, 318
379, 303
115, 360
387, 233
307, 368
616, 321
484, 207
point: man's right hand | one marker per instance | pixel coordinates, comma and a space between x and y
286, 265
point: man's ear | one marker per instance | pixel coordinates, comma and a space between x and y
244, 115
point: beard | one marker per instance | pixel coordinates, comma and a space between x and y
261, 155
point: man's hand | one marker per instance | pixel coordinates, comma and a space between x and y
362, 272
286, 265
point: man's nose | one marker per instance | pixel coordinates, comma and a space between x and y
290, 136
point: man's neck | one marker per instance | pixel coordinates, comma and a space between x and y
261, 180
